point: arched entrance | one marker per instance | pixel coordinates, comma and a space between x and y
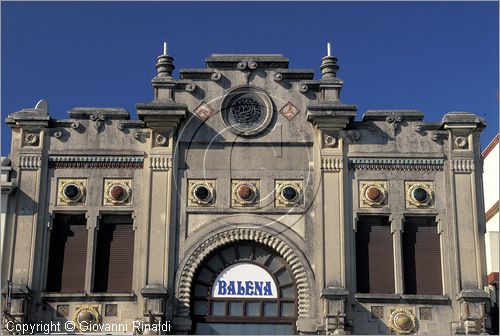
244, 288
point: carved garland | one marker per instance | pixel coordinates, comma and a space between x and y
226, 237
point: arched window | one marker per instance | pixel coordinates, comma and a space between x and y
244, 288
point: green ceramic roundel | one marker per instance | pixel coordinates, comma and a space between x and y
289, 193
420, 194
71, 191
201, 192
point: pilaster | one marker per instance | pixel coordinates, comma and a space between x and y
161, 117
468, 225
330, 118
29, 164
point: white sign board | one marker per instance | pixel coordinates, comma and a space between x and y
244, 280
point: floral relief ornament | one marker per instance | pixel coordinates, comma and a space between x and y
31, 139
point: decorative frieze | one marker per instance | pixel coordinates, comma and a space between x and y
462, 165
30, 162
331, 163
73, 161
396, 164
157, 162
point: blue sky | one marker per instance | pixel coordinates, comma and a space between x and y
433, 56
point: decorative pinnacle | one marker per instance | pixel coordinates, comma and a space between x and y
329, 65
164, 64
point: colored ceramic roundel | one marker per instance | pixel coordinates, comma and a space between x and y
245, 192
373, 193
420, 194
86, 316
289, 193
202, 193
117, 192
71, 191
402, 321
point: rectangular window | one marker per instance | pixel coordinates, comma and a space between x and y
67, 254
421, 256
114, 254
374, 255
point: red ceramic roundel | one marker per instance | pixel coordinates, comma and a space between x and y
117, 192
373, 193
245, 192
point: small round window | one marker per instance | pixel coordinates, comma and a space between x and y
247, 111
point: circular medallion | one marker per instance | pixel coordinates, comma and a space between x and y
420, 195
245, 193
85, 316
402, 321
202, 193
289, 193
373, 194
247, 111
71, 191
117, 192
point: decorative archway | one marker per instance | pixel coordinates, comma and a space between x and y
218, 240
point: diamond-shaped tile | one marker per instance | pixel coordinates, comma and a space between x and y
204, 111
289, 111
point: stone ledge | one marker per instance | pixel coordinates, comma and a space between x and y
334, 293
84, 296
110, 112
403, 298
473, 295
415, 115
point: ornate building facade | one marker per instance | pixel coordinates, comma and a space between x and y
246, 198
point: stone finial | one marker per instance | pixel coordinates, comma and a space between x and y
165, 64
329, 67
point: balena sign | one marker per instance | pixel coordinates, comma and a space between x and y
244, 280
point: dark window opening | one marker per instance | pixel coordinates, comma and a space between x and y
422, 256
67, 254
374, 255
114, 254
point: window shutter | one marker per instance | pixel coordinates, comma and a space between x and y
114, 255
422, 256
374, 255
67, 254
